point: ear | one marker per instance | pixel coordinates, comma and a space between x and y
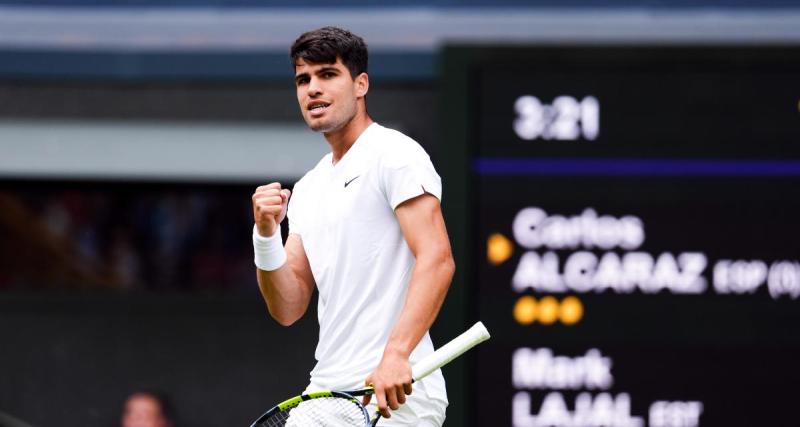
362, 85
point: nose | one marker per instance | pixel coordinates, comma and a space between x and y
314, 88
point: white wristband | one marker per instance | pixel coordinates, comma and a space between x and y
269, 252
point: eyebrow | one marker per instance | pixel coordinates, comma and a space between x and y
325, 69
320, 71
300, 76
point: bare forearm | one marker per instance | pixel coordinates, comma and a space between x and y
423, 227
287, 291
286, 299
283, 274
429, 284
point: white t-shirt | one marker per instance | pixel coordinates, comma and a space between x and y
344, 214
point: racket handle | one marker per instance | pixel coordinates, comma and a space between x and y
472, 337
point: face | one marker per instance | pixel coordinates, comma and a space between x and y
328, 96
142, 410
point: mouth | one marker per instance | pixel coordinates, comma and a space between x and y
317, 108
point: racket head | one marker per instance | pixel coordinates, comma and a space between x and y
318, 409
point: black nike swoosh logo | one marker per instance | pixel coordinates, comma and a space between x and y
348, 182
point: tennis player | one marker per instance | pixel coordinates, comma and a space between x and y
365, 228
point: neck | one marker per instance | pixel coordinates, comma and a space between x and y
342, 139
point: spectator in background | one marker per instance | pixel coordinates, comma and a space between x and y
147, 409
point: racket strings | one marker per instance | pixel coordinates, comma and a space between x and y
319, 412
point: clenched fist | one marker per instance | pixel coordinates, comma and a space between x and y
269, 207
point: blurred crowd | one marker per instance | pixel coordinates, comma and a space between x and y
126, 237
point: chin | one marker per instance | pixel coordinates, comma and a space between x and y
320, 127
323, 127
329, 124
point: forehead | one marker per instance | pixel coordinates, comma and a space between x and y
302, 66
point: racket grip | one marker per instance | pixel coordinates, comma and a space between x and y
470, 338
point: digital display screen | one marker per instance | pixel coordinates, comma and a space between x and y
634, 235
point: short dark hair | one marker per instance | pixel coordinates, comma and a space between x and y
326, 44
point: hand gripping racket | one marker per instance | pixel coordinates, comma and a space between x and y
329, 408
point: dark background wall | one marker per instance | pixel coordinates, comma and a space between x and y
410, 106
72, 359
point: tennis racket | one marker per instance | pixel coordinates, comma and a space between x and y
329, 408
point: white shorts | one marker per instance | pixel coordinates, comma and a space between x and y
414, 413
418, 411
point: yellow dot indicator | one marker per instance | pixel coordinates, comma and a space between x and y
571, 310
498, 249
525, 310
548, 310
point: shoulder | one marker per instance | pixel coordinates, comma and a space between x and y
404, 168
396, 149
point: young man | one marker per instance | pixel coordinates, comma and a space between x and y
365, 228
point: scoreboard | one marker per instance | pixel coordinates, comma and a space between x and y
626, 222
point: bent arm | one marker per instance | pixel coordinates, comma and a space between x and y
287, 291
423, 227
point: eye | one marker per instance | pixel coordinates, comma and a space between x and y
301, 81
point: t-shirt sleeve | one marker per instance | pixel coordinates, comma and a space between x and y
408, 173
